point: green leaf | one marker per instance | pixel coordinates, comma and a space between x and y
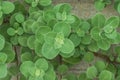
3, 57
41, 32
26, 56
91, 72
65, 7
10, 55
118, 7
80, 32
20, 31
38, 48
98, 20
96, 34
19, 17
93, 46
88, 57
23, 40
103, 44
100, 65
3, 70
31, 42
45, 2
50, 37
117, 50
41, 64
112, 22
111, 35
11, 31
82, 76
63, 28
27, 25
2, 42
71, 76
85, 26
29, 1
50, 74
62, 69
35, 26
67, 47
99, 5
7, 7
26, 67
105, 75
75, 39
49, 15
86, 39
48, 51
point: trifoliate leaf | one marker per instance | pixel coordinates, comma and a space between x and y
7, 7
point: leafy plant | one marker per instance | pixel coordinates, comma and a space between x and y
42, 41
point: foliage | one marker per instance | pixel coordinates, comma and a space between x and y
41, 41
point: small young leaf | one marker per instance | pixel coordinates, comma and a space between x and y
62, 68
31, 42
26, 56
